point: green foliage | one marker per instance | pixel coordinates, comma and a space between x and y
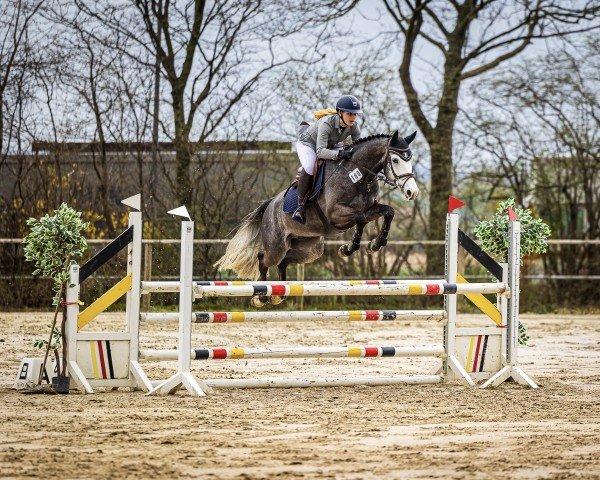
494, 232
523, 336
494, 236
56, 339
54, 241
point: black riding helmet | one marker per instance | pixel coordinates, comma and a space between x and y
348, 103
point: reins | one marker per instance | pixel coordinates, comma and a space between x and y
375, 173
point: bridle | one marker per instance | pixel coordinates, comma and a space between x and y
406, 155
386, 160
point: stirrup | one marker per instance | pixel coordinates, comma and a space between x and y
299, 214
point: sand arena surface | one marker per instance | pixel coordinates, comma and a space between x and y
419, 431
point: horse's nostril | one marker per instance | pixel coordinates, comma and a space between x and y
408, 193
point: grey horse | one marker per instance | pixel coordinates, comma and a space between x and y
269, 237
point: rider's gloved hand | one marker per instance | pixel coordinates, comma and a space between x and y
345, 154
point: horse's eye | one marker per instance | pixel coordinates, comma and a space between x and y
395, 160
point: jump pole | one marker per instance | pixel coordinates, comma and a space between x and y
296, 352
299, 316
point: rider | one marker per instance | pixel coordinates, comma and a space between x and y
322, 139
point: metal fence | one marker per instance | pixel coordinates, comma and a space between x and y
149, 243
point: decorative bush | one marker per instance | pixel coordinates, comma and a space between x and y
53, 243
493, 233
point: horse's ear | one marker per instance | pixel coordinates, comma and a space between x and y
394, 140
411, 137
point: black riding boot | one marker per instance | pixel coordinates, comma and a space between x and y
304, 184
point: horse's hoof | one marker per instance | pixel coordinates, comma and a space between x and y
257, 302
276, 300
343, 251
372, 248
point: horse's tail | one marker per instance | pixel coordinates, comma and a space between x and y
241, 254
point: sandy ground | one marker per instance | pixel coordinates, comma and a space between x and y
420, 431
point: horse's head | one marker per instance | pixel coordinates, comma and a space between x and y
398, 166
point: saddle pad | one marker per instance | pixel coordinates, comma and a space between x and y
290, 201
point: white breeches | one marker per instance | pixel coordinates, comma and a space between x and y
308, 157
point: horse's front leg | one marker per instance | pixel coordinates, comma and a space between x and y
373, 213
349, 248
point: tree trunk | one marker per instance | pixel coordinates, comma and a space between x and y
441, 186
1, 123
183, 152
103, 173
440, 146
183, 158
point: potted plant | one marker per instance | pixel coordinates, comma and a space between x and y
53, 244
493, 234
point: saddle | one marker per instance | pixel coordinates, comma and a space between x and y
290, 199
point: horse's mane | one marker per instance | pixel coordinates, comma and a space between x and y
371, 137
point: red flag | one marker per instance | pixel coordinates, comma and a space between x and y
454, 203
512, 216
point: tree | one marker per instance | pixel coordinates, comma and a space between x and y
212, 55
15, 19
473, 37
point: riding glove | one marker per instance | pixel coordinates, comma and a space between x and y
345, 154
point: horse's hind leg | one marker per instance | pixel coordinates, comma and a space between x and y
276, 300
305, 250
277, 248
260, 301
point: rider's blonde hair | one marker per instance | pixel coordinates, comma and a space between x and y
323, 113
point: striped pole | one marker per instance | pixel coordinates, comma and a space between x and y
237, 353
299, 316
287, 290
173, 287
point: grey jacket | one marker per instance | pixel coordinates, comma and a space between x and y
324, 134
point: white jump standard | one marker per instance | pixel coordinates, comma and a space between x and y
112, 359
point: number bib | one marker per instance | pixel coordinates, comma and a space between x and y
355, 175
